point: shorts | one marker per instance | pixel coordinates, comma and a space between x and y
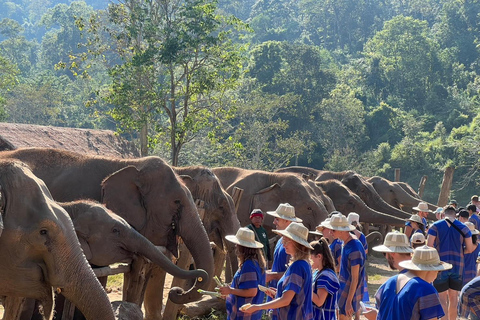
448, 280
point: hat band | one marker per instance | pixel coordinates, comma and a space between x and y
431, 261
395, 244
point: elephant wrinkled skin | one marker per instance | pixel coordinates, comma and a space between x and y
39, 251
145, 192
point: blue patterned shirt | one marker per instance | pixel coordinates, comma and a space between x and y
250, 275
470, 298
326, 279
297, 278
336, 248
418, 299
280, 261
470, 268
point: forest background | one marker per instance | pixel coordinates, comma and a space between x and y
364, 85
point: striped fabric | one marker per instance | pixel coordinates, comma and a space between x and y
470, 298
470, 268
336, 248
352, 254
326, 279
297, 278
449, 244
418, 299
280, 261
248, 276
475, 219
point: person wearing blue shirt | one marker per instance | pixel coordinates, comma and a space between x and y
251, 273
352, 267
423, 211
325, 281
473, 216
411, 295
293, 296
470, 267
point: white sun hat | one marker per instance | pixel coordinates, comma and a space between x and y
353, 217
285, 211
394, 242
246, 238
471, 226
425, 259
297, 232
338, 222
418, 238
422, 206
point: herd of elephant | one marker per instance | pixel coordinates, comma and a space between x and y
63, 213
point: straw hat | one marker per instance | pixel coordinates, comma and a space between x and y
416, 218
245, 237
338, 222
425, 259
422, 206
285, 211
297, 232
353, 217
317, 233
471, 226
394, 242
418, 238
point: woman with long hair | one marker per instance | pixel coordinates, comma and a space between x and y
250, 274
325, 281
293, 295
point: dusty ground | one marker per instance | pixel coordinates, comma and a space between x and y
377, 270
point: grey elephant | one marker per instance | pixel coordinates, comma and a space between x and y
39, 251
146, 192
395, 194
266, 190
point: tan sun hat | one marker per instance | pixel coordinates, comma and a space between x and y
338, 222
418, 238
285, 211
425, 259
353, 217
471, 226
422, 206
297, 232
394, 242
416, 218
245, 237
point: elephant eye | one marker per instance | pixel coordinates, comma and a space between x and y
115, 230
309, 208
43, 232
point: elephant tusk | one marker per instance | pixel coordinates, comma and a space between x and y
162, 249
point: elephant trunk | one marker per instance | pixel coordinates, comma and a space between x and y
142, 246
84, 290
373, 216
380, 205
195, 238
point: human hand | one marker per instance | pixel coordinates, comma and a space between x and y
370, 313
249, 308
349, 309
225, 290
271, 292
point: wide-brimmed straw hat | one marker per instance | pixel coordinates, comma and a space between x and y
285, 211
471, 226
339, 222
394, 242
245, 237
416, 218
422, 206
297, 232
425, 259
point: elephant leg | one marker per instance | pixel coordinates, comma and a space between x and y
153, 301
14, 307
134, 282
171, 309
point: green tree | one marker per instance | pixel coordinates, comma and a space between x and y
8, 80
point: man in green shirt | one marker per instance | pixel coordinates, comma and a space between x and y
260, 233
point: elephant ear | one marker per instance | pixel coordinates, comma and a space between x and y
188, 180
268, 189
122, 194
86, 248
263, 196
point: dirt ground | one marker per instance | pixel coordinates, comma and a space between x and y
377, 269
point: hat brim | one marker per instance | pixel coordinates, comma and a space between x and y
248, 244
415, 221
293, 237
316, 233
418, 209
392, 249
328, 225
408, 264
275, 214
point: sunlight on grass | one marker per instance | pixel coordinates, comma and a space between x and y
375, 277
115, 281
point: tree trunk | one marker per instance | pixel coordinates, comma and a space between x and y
446, 185
144, 141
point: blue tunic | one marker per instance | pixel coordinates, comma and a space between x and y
353, 254
470, 268
280, 261
418, 299
249, 276
297, 278
475, 219
336, 249
326, 279
366, 297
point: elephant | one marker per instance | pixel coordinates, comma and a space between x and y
408, 189
145, 192
395, 195
39, 251
346, 201
357, 184
266, 190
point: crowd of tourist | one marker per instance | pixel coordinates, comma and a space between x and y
327, 278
